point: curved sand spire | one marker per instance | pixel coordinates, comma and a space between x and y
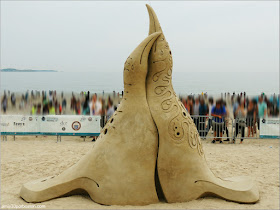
120, 168
182, 168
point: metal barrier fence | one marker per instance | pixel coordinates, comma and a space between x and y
226, 128
246, 128
213, 128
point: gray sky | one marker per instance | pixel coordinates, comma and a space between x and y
91, 36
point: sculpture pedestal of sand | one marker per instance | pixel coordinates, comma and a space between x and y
150, 127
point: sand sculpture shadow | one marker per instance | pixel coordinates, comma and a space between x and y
150, 139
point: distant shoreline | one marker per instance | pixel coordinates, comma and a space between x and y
25, 70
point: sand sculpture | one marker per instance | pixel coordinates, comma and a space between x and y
120, 169
182, 168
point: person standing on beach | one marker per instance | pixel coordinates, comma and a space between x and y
13, 99
110, 111
51, 96
210, 106
196, 113
202, 118
226, 120
251, 118
32, 95
73, 102
244, 100
34, 109
59, 108
92, 104
26, 96
22, 104
240, 121
255, 105
78, 107
189, 106
56, 105
51, 109
4, 103
184, 102
45, 105
98, 106
236, 104
103, 112
86, 109
262, 110
218, 112
64, 104
274, 111
38, 109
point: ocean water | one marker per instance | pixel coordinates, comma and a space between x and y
213, 83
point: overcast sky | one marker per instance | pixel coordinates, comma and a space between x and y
91, 36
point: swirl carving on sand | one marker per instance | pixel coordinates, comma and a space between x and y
181, 127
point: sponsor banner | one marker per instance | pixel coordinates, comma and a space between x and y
68, 124
19, 123
269, 128
50, 125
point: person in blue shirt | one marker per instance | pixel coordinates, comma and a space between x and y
202, 116
218, 112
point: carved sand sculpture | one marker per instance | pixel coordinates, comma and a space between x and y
182, 168
150, 132
120, 168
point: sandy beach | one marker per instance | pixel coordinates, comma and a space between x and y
170, 89
28, 158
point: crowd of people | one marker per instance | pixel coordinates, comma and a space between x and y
243, 110
95, 105
206, 112
51, 103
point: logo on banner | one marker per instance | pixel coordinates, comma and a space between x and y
63, 123
63, 128
51, 119
90, 119
30, 118
76, 125
18, 124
